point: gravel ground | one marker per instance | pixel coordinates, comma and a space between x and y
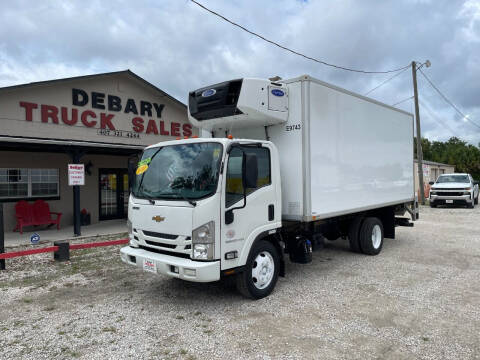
420, 298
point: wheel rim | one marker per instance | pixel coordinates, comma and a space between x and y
376, 236
263, 268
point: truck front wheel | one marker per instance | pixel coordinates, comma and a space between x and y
371, 236
261, 271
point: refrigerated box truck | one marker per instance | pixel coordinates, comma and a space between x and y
286, 165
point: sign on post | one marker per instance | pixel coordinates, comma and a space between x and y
35, 238
76, 174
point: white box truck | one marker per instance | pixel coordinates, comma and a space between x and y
288, 164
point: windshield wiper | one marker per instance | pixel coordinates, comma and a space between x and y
190, 201
179, 193
149, 198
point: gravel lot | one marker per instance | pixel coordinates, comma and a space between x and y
420, 298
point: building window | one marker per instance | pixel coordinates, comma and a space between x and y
28, 183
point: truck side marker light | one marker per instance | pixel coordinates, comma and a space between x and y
231, 255
230, 136
229, 272
185, 137
195, 137
178, 138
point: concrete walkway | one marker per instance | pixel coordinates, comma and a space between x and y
109, 227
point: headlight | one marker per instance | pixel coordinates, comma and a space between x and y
203, 242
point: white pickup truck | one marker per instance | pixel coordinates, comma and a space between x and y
454, 189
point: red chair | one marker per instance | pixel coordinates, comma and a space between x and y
24, 215
43, 216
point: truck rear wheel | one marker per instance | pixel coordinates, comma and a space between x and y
353, 234
371, 236
261, 271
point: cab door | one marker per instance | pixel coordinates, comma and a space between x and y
258, 214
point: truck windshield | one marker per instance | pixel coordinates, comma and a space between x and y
453, 179
178, 172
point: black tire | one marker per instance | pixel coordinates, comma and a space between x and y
476, 200
366, 236
245, 280
471, 205
353, 234
432, 204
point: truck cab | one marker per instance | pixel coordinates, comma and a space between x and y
198, 205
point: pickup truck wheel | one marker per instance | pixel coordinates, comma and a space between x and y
471, 204
476, 201
261, 271
371, 236
353, 234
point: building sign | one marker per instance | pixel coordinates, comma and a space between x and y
426, 171
117, 108
105, 120
76, 174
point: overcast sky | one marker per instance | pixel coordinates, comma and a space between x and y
178, 46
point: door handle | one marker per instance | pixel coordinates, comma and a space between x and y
271, 212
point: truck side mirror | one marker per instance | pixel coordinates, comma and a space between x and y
432, 182
250, 171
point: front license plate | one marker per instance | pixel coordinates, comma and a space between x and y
449, 201
149, 265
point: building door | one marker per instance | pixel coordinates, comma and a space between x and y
114, 192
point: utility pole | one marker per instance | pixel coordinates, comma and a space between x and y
419, 135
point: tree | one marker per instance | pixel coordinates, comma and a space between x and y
465, 157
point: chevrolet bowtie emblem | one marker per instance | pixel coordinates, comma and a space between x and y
158, 218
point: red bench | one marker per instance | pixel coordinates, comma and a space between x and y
37, 213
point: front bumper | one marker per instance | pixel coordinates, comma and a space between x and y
443, 199
197, 271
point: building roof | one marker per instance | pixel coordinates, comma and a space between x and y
84, 77
434, 163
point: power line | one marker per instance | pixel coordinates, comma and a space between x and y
384, 82
400, 102
448, 101
434, 117
293, 51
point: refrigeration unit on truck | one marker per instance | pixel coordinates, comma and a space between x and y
287, 164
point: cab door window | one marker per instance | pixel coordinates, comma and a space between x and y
234, 186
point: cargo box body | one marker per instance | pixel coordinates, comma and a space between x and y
340, 152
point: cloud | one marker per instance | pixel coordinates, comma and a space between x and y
179, 47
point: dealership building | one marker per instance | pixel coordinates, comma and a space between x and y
102, 121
